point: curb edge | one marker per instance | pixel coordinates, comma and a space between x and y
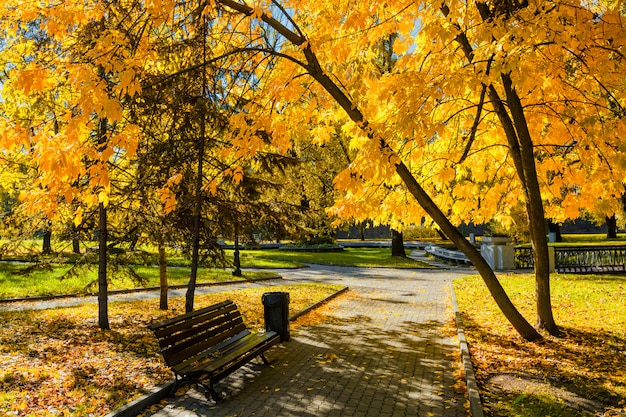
476, 408
136, 406
294, 316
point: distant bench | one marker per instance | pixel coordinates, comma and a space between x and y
453, 255
211, 342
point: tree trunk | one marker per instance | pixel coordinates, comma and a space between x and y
76, 244
236, 260
611, 224
397, 244
197, 211
316, 72
162, 272
47, 242
499, 295
534, 209
103, 285
522, 326
522, 152
441, 234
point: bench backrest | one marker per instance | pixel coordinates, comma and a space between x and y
202, 330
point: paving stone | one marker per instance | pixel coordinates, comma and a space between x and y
381, 353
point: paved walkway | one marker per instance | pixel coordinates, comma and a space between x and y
382, 353
131, 296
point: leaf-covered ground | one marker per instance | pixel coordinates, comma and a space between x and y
582, 373
58, 363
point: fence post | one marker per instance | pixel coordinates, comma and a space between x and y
498, 255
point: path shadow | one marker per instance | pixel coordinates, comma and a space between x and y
344, 367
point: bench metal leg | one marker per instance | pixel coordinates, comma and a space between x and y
210, 391
177, 383
265, 361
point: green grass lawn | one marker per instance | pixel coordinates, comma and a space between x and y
556, 376
52, 278
14, 284
360, 257
592, 237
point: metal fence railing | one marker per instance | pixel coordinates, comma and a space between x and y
596, 259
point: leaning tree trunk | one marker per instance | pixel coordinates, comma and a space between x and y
521, 149
312, 66
522, 326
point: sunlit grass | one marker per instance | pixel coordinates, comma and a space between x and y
14, 284
582, 240
592, 237
589, 360
57, 362
52, 278
360, 257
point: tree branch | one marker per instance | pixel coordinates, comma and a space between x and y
294, 38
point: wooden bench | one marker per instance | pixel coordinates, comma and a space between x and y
211, 342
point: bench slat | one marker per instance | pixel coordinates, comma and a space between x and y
164, 330
211, 341
176, 355
250, 345
182, 317
198, 361
199, 330
244, 347
259, 349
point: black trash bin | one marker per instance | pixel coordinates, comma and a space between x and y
276, 309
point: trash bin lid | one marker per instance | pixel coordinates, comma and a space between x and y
275, 297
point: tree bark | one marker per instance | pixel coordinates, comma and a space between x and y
611, 224
534, 208
522, 152
47, 242
162, 272
76, 244
197, 211
103, 285
504, 303
397, 244
236, 260
520, 324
